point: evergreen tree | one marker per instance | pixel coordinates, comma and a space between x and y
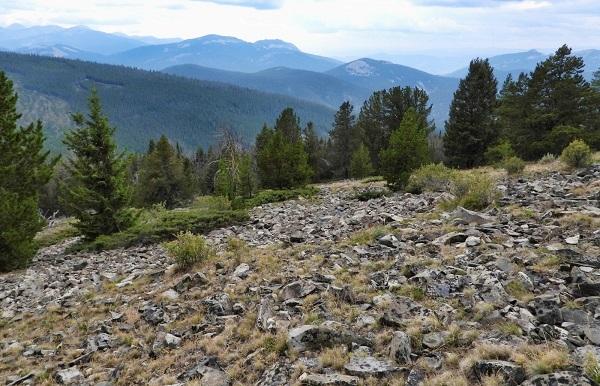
596, 81
344, 140
360, 164
98, 195
280, 155
165, 176
471, 127
24, 170
554, 94
407, 151
383, 112
315, 151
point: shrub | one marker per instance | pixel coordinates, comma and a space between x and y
513, 165
577, 155
499, 152
431, 178
188, 249
269, 196
360, 163
156, 226
474, 191
367, 195
548, 158
591, 367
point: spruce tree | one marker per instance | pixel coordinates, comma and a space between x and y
344, 140
314, 147
165, 176
98, 195
280, 154
408, 150
24, 170
471, 126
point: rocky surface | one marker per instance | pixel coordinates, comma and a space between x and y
329, 291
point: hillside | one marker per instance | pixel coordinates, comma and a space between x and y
309, 85
143, 104
377, 75
329, 291
225, 53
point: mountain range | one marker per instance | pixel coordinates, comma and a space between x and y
275, 69
144, 104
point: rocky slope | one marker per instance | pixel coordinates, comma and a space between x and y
329, 291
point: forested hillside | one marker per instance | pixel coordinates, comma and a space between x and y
144, 105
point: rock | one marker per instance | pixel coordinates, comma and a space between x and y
400, 348
450, 238
70, 376
170, 294
172, 341
573, 240
189, 281
209, 371
297, 290
277, 375
264, 318
153, 314
368, 366
165, 340
297, 237
219, 304
592, 332
332, 379
310, 337
389, 241
512, 373
433, 340
242, 271
562, 378
472, 241
471, 217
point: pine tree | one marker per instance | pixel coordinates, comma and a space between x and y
280, 155
555, 94
24, 170
383, 112
471, 126
99, 194
344, 140
408, 150
314, 147
165, 176
360, 164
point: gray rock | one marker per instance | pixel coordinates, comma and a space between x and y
332, 379
562, 378
153, 314
512, 373
471, 217
368, 366
310, 337
172, 341
297, 289
473, 241
242, 271
433, 340
389, 241
297, 237
450, 238
219, 304
573, 240
277, 375
400, 348
209, 371
189, 281
70, 376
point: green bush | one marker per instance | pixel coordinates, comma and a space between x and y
472, 190
513, 165
360, 163
155, 226
188, 249
548, 158
577, 155
431, 178
497, 153
367, 195
269, 196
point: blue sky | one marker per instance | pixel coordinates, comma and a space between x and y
341, 28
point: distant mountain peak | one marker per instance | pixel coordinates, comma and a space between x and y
361, 67
276, 44
215, 39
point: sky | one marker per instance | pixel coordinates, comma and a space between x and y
344, 29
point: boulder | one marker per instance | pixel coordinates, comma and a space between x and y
471, 216
368, 366
333, 379
512, 373
70, 376
189, 281
311, 337
400, 348
562, 378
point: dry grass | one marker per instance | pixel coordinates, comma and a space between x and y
335, 357
447, 378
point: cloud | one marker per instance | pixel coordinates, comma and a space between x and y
468, 3
256, 4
